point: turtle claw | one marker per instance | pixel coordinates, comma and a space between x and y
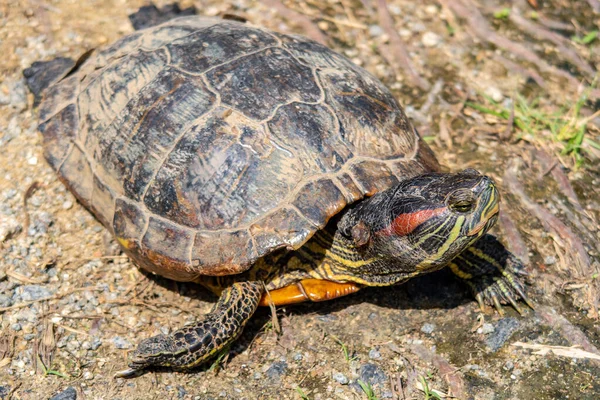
493, 274
127, 373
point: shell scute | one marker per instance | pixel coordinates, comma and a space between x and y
256, 84
58, 133
319, 200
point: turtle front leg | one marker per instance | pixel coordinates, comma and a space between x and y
492, 272
194, 344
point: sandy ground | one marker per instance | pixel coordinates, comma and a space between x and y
72, 306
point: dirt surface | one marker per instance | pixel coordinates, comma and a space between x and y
72, 306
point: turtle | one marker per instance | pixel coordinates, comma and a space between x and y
265, 167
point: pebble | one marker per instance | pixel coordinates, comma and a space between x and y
277, 370
34, 292
375, 30
121, 343
5, 301
96, 342
428, 328
372, 374
374, 354
486, 329
32, 160
4, 391
341, 378
67, 205
431, 10
16, 327
502, 332
68, 394
494, 93
8, 228
88, 376
508, 366
430, 39
549, 260
297, 357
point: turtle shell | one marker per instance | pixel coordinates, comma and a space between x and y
204, 144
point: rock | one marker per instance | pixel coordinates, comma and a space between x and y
16, 327
374, 354
34, 292
67, 205
486, 329
88, 376
502, 332
494, 93
4, 391
121, 343
549, 260
428, 328
341, 378
375, 30
297, 357
372, 374
9, 227
5, 301
508, 366
68, 394
431, 39
277, 370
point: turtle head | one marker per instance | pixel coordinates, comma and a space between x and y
424, 222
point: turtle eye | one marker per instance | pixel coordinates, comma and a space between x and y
462, 206
461, 201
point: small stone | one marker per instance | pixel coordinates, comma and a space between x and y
375, 30
67, 205
486, 329
374, 354
68, 394
431, 10
32, 160
4, 391
34, 292
88, 376
276, 370
428, 328
29, 337
16, 327
96, 342
372, 374
341, 378
5, 301
503, 330
430, 39
297, 357
494, 93
121, 343
508, 366
549, 260
257, 376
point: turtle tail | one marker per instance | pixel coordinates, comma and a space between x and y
192, 345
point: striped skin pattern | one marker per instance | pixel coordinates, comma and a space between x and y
192, 345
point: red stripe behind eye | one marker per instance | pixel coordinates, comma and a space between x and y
404, 224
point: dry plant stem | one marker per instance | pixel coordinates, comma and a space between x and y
456, 385
550, 223
567, 330
397, 46
481, 28
310, 29
562, 44
521, 70
558, 25
595, 4
549, 164
516, 244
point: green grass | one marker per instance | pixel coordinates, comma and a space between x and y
429, 394
348, 355
216, 364
536, 123
587, 39
366, 387
303, 395
49, 371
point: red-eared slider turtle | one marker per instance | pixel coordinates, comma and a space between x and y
263, 166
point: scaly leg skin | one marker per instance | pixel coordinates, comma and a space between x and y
492, 273
192, 345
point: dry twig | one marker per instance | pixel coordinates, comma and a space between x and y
310, 29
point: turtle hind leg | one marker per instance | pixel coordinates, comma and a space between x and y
191, 345
493, 273
150, 15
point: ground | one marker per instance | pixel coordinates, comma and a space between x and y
503, 87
